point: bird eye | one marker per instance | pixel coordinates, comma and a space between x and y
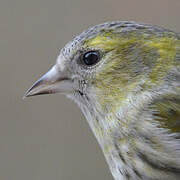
91, 57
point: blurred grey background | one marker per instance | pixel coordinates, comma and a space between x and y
47, 137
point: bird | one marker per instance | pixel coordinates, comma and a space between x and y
125, 77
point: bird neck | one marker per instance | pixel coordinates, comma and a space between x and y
114, 134
133, 145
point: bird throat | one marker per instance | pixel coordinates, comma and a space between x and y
114, 138
130, 143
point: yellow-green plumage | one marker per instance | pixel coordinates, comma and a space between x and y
168, 112
122, 58
119, 80
130, 97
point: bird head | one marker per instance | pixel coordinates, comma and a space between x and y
107, 62
125, 78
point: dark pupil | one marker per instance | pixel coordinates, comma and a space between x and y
91, 57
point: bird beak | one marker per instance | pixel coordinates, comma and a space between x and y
54, 81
